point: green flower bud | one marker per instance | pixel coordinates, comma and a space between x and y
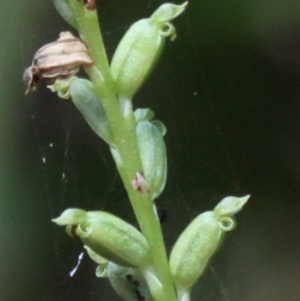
63, 7
128, 283
198, 243
108, 236
84, 97
141, 47
152, 150
193, 249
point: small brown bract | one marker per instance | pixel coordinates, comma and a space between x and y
89, 4
140, 184
61, 58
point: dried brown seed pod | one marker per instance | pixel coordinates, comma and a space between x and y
61, 58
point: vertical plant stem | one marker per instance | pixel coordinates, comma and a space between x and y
123, 130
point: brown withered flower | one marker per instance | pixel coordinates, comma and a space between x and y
61, 58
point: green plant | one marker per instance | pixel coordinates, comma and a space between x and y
135, 263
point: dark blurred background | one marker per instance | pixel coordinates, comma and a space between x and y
228, 90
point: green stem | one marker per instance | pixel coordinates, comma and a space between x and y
123, 130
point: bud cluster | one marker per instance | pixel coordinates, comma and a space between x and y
120, 250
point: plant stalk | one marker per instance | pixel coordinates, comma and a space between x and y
123, 130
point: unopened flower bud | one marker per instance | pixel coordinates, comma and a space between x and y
108, 236
140, 48
152, 151
83, 94
85, 99
193, 249
197, 244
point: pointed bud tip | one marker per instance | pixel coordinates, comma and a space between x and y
70, 217
245, 199
230, 205
168, 11
184, 5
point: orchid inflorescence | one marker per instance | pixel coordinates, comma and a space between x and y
134, 261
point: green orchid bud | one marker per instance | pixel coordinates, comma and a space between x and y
198, 243
152, 151
193, 250
84, 97
108, 236
64, 9
128, 283
141, 47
